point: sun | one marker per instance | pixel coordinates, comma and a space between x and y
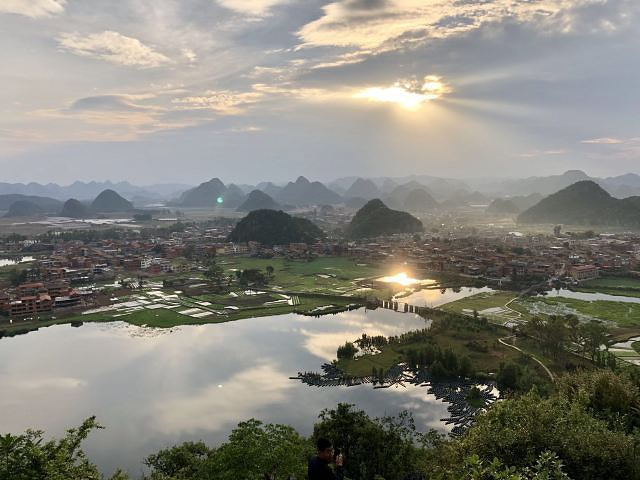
401, 279
409, 94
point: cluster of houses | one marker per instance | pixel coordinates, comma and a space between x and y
63, 267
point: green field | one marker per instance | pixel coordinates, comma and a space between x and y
499, 306
622, 286
623, 314
327, 275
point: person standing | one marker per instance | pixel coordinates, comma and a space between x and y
319, 465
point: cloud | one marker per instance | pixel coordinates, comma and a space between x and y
115, 102
113, 47
603, 141
542, 153
189, 54
33, 8
385, 25
256, 8
222, 101
410, 94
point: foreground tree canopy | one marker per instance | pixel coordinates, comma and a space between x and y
587, 429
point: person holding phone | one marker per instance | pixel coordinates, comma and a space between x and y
319, 465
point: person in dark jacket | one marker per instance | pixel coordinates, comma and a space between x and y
319, 465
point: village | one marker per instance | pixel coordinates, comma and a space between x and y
70, 276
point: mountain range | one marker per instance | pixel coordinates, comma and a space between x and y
584, 203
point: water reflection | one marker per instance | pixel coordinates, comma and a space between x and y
197, 382
434, 297
590, 297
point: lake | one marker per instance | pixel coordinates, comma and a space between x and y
15, 260
155, 388
430, 297
591, 297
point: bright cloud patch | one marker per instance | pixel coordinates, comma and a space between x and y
374, 25
258, 8
222, 101
409, 94
113, 47
32, 8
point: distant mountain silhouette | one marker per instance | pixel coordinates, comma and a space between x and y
304, 192
48, 205
109, 201
204, 195
74, 209
355, 202
502, 206
275, 227
583, 203
233, 196
258, 200
375, 218
24, 208
213, 193
364, 189
399, 194
420, 200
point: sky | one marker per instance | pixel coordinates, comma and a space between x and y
155, 91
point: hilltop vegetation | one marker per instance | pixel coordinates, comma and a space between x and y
275, 227
375, 218
583, 203
585, 430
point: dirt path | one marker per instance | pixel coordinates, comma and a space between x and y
502, 341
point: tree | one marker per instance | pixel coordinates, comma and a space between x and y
29, 456
388, 448
214, 273
17, 276
347, 351
269, 270
183, 461
255, 450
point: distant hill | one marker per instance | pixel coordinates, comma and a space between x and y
233, 196
364, 189
399, 194
375, 218
527, 201
420, 201
109, 201
355, 202
74, 209
24, 208
213, 193
304, 192
583, 203
204, 195
48, 205
461, 198
257, 200
88, 190
274, 227
503, 206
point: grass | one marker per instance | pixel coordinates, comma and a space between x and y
490, 300
463, 341
622, 286
622, 313
304, 276
618, 282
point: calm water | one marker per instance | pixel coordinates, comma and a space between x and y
13, 261
563, 292
436, 297
155, 388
